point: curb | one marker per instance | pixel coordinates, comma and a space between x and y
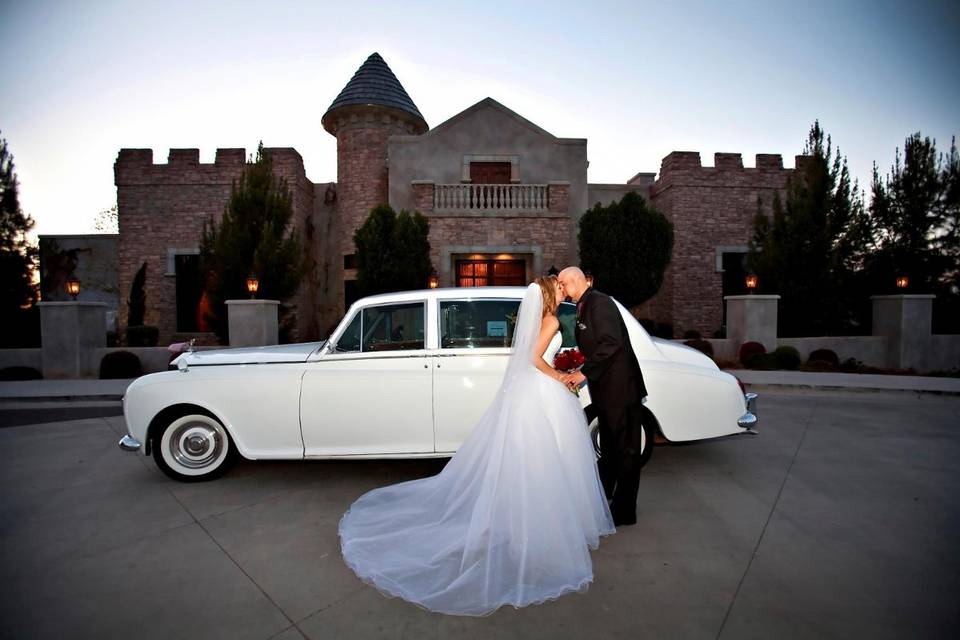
773, 387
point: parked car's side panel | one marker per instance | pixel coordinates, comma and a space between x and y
257, 403
367, 404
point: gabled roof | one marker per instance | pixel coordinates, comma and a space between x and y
375, 84
489, 103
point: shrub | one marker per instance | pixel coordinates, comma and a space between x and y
824, 355
142, 336
691, 334
749, 349
720, 334
786, 357
761, 361
120, 364
700, 345
9, 374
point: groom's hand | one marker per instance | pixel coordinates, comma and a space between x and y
574, 380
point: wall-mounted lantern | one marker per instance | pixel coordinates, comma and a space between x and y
751, 282
73, 287
253, 285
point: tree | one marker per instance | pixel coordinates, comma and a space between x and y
107, 221
393, 251
254, 237
915, 215
18, 260
626, 246
810, 247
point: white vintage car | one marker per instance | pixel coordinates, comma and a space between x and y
404, 375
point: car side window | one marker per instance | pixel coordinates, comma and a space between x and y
473, 324
392, 327
349, 342
567, 314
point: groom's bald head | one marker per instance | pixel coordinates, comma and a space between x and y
573, 282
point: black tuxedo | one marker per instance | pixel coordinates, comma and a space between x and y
616, 391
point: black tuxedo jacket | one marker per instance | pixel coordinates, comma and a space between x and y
610, 364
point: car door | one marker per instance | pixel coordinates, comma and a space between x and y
372, 393
474, 346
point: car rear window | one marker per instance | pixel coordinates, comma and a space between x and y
477, 324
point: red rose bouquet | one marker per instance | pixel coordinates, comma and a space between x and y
569, 361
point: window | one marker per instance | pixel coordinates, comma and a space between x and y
191, 301
491, 273
475, 324
350, 340
490, 172
394, 327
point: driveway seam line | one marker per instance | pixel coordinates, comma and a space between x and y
763, 531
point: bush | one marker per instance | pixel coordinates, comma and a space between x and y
720, 334
9, 374
142, 336
824, 355
786, 357
691, 334
120, 364
761, 362
700, 345
750, 349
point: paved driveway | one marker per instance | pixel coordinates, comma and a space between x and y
841, 520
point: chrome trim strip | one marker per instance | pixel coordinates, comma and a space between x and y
751, 399
129, 443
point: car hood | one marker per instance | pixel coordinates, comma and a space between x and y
250, 355
678, 352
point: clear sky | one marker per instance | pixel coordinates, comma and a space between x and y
82, 80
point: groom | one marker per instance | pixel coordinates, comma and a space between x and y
616, 390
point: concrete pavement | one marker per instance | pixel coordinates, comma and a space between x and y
839, 520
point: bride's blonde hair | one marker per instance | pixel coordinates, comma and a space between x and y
548, 287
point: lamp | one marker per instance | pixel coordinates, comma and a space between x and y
253, 285
73, 287
751, 281
902, 282
589, 277
434, 280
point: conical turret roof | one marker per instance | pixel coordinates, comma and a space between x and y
375, 84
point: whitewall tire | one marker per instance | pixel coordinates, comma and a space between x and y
192, 448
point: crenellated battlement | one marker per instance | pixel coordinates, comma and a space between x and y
690, 160
183, 166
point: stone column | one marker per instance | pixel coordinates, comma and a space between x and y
752, 318
253, 323
71, 333
906, 321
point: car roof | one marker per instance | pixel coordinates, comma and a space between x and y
445, 293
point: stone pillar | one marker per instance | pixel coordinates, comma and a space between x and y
253, 323
906, 321
423, 195
71, 333
558, 197
752, 318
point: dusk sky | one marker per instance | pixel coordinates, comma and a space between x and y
637, 80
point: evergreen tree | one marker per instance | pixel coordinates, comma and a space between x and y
254, 237
393, 251
626, 246
915, 214
809, 250
17, 262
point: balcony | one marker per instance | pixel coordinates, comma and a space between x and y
491, 199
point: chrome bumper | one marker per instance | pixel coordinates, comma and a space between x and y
129, 443
749, 420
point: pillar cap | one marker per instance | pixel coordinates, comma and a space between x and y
906, 296
752, 297
254, 301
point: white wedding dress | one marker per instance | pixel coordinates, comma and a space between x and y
509, 520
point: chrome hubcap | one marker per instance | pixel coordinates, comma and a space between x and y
197, 444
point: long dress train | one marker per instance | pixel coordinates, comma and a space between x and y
509, 520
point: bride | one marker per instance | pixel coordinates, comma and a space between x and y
512, 517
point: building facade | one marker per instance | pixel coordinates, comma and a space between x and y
502, 195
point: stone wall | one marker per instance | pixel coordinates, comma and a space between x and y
542, 241
162, 208
710, 207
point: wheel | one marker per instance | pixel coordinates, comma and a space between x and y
193, 448
646, 435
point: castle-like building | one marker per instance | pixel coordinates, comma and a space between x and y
503, 198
